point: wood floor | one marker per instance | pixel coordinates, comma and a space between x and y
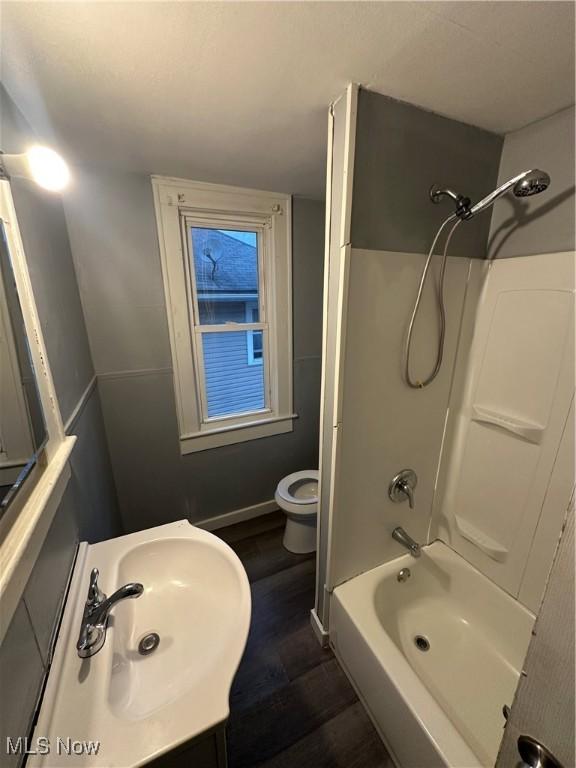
291, 704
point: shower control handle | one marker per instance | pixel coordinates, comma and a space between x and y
535, 755
402, 487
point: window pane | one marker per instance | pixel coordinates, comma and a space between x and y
225, 265
233, 384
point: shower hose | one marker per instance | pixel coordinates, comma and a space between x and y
418, 383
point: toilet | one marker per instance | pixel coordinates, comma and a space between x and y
297, 495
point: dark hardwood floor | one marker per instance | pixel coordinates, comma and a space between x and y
291, 704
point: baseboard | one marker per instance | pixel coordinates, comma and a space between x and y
237, 516
322, 635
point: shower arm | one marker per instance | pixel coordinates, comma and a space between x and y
462, 203
464, 210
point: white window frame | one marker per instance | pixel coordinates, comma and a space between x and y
180, 204
250, 306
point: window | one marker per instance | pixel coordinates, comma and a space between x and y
226, 261
255, 338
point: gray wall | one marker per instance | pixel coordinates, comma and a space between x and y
544, 223
89, 508
401, 151
45, 238
112, 228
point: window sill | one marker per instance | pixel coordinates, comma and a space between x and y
236, 433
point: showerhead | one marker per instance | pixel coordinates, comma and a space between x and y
524, 184
532, 183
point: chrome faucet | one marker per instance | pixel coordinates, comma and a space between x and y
402, 487
96, 612
400, 535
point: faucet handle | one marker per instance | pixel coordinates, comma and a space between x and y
402, 487
95, 594
406, 488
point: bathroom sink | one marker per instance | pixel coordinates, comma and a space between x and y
141, 705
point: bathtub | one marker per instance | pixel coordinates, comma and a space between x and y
433, 658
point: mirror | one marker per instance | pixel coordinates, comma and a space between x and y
22, 428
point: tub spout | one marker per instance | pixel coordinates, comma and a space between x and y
400, 535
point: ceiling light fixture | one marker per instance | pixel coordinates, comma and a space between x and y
40, 164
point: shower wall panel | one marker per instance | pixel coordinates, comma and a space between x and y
508, 414
385, 425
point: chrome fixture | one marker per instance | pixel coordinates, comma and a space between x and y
148, 643
462, 203
536, 755
422, 643
402, 487
400, 535
421, 383
525, 184
403, 575
96, 612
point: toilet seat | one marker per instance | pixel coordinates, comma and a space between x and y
297, 496
288, 493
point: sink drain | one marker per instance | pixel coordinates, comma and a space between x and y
148, 643
422, 643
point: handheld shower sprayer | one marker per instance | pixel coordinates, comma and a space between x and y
525, 184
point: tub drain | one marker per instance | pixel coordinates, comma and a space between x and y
422, 643
148, 643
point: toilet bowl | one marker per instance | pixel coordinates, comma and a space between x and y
297, 495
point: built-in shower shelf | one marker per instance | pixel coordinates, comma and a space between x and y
492, 548
526, 430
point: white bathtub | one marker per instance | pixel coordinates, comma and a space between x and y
443, 706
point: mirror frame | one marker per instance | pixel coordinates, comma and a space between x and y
33, 457
25, 523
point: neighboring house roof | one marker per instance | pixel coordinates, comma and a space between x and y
223, 264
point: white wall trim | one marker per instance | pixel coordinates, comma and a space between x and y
178, 205
237, 516
340, 163
44, 379
136, 372
70, 423
236, 433
29, 525
25, 524
322, 635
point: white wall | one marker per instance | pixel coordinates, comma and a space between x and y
386, 426
502, 489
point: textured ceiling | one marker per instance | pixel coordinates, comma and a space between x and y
238, 92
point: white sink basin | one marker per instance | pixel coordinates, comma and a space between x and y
197, 599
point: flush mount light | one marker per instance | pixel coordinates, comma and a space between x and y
40, 164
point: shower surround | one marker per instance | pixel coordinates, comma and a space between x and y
489, 439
